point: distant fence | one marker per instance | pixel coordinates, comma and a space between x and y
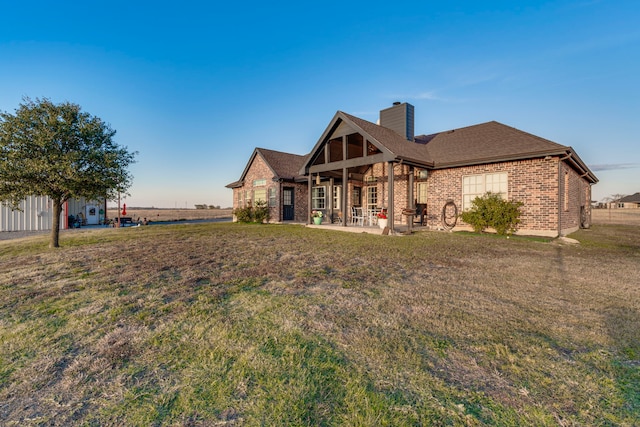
615, 216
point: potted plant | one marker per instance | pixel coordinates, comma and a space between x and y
382, 219
317, 217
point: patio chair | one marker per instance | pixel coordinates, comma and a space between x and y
357, 217
337, 218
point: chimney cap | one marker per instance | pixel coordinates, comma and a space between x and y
397, 103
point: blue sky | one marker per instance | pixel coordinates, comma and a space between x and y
194, 86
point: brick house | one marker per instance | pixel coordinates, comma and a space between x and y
359, 164
272, 177
627, 202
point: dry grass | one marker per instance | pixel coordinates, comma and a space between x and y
159, 214
228, 324
616, 216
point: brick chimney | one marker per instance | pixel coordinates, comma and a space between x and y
399, 118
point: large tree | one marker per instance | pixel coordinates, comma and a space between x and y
59, 151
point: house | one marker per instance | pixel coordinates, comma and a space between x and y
273, 177
627, 202
360, 164
36, 214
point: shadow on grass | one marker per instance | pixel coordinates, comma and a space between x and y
623, 324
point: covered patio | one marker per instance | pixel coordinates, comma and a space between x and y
355, 173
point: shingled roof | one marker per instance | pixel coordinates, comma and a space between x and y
482, 143
393, 141
486, 142
634, 198
489, 142
285, 166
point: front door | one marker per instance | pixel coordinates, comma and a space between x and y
288, 208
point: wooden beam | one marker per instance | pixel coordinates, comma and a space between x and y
351, 163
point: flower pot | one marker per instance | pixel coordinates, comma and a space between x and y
383, 222
317, 220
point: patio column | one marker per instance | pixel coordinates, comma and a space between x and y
310, 186
345, 183
390, 197
411, 202
345, 192
412, 197
330, 197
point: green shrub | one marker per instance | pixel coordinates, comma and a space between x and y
259, 213
244, 214
491, 210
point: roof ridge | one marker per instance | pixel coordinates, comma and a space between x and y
279, 151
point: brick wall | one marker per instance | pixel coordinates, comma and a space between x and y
301, 201
535, 182
574, 198
260, 170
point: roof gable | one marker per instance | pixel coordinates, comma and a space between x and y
283, 165
393, 145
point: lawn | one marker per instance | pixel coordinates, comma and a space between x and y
228, 324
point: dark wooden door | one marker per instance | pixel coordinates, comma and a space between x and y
288, 207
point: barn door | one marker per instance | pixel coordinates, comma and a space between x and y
288, 207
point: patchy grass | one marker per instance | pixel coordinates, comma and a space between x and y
228, 324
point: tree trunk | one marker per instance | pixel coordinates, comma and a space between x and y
54, 242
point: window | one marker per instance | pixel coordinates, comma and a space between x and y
372, 196
478, 185
317, 198
496, 183
259, 195
259, 182
272, 197
422, 193
240, 197
337, 190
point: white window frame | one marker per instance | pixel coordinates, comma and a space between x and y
240, 198
371, 196
272, 197
259, 195
477, 185
422, 193
318, 200
337, 197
